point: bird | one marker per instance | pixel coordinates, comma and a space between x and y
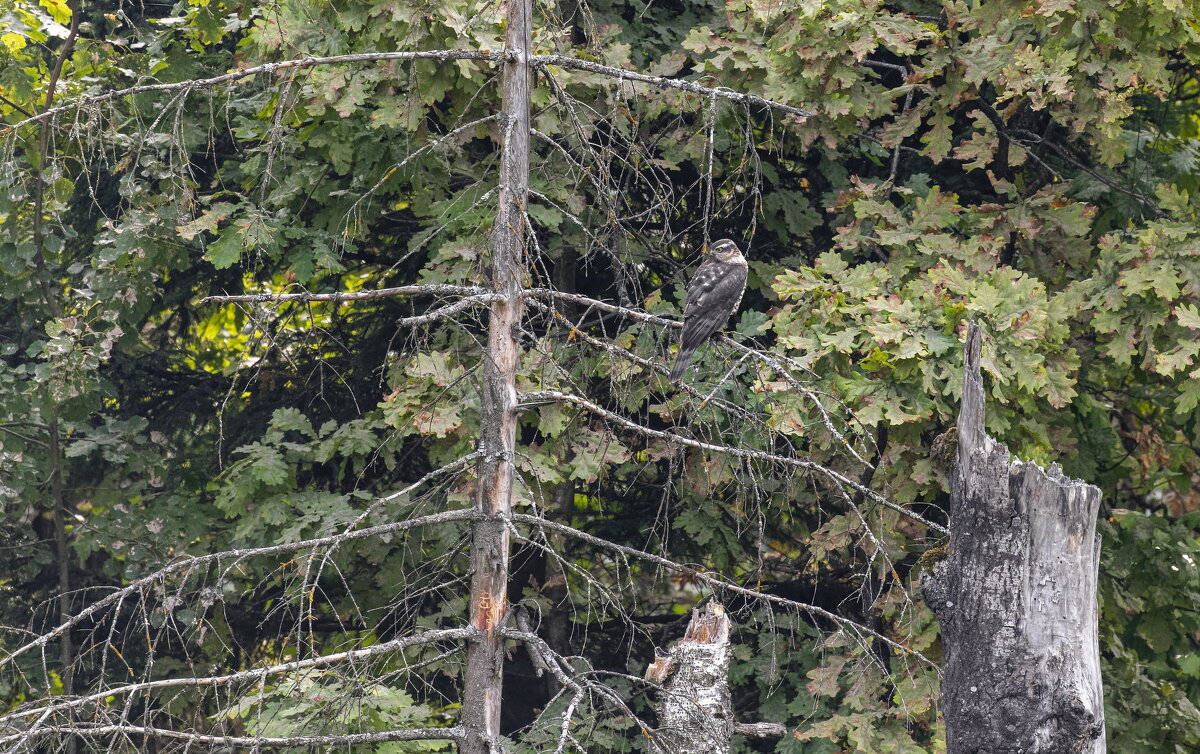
713, 295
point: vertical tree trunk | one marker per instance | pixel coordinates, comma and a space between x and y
1016, 598
498, 420
695, 711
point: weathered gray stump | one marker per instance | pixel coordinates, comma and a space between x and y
1016, 599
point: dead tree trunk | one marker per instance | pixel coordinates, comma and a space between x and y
498, 418
695, 711
1016, 598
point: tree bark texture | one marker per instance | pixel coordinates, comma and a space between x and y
498, 420
695, 710
1016, 598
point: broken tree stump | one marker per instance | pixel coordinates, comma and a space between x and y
695, 711
694, 707
1016, 598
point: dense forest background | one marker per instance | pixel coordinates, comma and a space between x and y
1028, 164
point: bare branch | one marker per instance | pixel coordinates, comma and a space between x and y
248, 742
451, 309
715, 581
338, 296
463, 514
665, 83
601, 305
775, 361
760, 730
576, 332
578, 685
544, 396
364, 57
254, 674
540, 652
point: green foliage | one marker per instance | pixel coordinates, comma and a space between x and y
1153, 679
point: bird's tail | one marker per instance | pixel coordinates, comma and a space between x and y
681, 363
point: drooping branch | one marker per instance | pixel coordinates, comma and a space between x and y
715, 581
546, 658
544, 396
184, 564
255, 674
243, 742
661, 82
777, 362
267, 68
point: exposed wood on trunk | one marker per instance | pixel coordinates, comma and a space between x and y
498, 419
1016, 598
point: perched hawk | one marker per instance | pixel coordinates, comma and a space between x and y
713, 294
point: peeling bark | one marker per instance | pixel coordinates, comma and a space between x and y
695, 711
498, 418
1016, 598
